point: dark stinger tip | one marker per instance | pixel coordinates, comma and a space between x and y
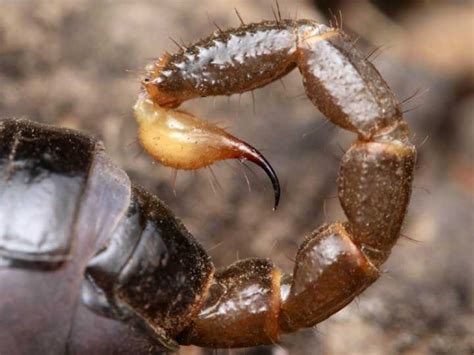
256, 157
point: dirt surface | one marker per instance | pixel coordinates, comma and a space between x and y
77, 63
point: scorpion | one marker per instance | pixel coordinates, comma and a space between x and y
139, 274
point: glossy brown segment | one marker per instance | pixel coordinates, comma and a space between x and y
51, 180
330, 270
225, 63
166, 277
105, 201
241, 307
344, 86
374, 190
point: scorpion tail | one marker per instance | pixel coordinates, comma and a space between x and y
252, 302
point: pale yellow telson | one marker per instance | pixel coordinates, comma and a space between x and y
182, 141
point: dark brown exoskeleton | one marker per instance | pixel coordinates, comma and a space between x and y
131, 261
89, 263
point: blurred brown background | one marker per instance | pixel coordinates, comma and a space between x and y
77, 63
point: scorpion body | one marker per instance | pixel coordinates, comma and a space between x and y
143, 268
